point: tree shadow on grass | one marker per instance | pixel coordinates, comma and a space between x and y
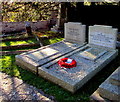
7, 43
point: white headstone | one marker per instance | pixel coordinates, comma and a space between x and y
75, 32
103, 36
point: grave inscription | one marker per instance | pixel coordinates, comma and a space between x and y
75, 32
103, 36
102, 39
72, 31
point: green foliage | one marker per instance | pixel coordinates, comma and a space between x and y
36, 11
8, 65
51, 41
27, 11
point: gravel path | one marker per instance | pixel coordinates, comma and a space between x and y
14, 89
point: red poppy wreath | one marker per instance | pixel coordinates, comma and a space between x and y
67, 63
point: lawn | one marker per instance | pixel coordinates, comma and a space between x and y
82, 95
51, 41
13, 43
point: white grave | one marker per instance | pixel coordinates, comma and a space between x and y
103, 36
109, 89
90, 59
74, 33
33, 59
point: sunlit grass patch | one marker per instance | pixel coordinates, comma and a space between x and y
52, 41
13, 43
8, 65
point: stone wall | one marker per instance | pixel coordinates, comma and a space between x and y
8, 27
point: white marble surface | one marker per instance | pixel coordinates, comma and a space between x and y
103, 36
110, 88
58, 48
74, 78
84, 67
75, 32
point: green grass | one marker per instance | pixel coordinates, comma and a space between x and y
8, 66
12, 43
15, 36
45, 42
33, 40
51, 41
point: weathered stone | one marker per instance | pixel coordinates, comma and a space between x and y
118, 43
103, 36
108, 89
45, 63
74, 78
32, 59
95, 97
39, 55
92, 53
115, 77
17, 97
75, 32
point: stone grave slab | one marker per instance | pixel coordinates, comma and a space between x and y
72, 79
110, 88
33, 59
115, 78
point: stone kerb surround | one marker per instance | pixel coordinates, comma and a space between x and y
109, 89
33, 59
74, 78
